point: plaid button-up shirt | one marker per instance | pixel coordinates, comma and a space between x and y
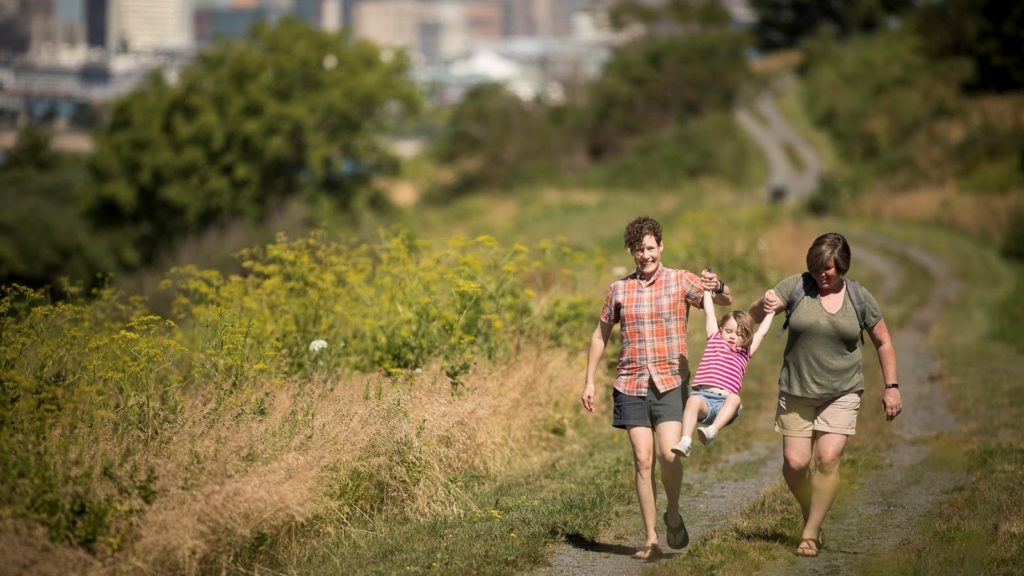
653, 316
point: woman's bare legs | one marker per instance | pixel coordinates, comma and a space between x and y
814, 489
642, 439
796, 469
671, 468
828, 451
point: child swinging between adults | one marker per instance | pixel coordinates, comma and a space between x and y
651, 305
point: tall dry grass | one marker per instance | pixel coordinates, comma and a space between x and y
343, 448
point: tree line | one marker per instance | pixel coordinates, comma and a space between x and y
293, 113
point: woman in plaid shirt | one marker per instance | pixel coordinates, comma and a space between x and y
652, 306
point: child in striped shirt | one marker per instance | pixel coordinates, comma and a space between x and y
715, 399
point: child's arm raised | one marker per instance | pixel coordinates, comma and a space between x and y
710, 321
762, 329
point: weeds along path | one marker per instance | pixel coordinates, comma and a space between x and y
709, 498
883, 513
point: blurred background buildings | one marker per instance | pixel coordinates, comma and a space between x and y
58, 56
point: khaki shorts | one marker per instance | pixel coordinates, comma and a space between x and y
799, 416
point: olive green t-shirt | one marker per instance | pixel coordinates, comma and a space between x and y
822, 359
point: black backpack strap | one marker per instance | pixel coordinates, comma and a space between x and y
805, 286
854, 289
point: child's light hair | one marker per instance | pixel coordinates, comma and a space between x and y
744, 326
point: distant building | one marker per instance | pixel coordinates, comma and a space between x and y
432, 31
153, 25
328, 15
212, 24
97, 24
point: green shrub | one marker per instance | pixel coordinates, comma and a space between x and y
85, 388
1013, 243
711, 146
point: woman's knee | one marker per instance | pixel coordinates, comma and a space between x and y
828, 452
666, 455
827, 462
796, 459
643, 461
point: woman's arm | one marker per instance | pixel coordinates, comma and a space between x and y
762, 329
598, 342
892, 402
769, 302
710, 320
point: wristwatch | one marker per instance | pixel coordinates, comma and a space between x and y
720, 288
893, 385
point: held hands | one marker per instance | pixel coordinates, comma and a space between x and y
709, 280
771, 302
892, 403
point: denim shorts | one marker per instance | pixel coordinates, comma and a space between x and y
650, 410
714, 401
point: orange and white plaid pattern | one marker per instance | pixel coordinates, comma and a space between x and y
653, 315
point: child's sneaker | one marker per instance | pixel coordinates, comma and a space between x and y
706, 434
682, 447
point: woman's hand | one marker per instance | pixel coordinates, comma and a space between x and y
588, 397
892, 403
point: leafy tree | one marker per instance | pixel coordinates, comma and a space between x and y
289, 111
43, 235
783, 23
31, 151
493, 136
881, 98
661, 82
988, 32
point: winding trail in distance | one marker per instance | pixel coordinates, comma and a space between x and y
779, 142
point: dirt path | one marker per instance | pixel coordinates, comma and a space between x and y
746, 473
780, 144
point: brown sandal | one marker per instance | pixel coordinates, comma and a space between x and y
807, 548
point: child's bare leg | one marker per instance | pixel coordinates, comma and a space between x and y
725, 415
696, 408
727, 412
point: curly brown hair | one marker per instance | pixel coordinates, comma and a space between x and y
640, 227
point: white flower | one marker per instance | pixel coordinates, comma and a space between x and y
317, 345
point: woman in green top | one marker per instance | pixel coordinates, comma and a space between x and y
821, 381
